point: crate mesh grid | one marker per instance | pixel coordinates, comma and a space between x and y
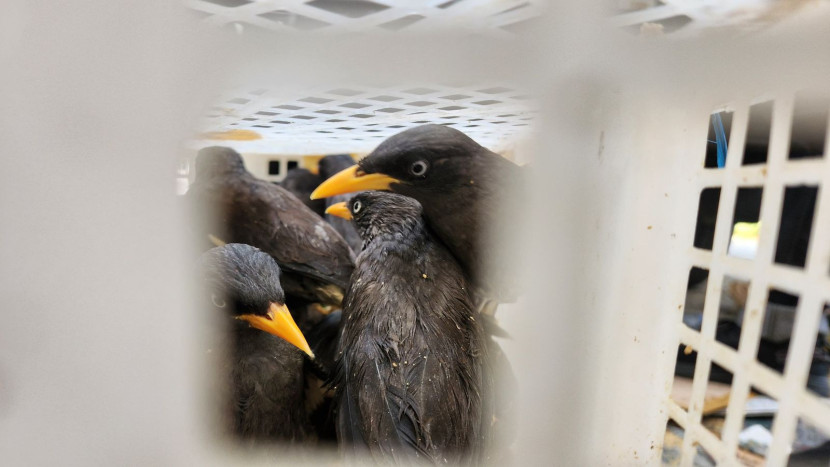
811, 284
352, 118
486, 16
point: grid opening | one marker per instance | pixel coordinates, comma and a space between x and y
756, 434
274, 167
758, 133
796, 224
716, 399
734, 291
818, 380
809, 126
720, 127
779, 318
672, 444
695, 297
744, 240
707, 214
811, 446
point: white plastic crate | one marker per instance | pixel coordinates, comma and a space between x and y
111, 377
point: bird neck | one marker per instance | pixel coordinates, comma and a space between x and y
394, 230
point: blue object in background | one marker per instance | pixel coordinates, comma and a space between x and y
720, 139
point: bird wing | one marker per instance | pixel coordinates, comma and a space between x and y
255, 212
263, 397
272, 219
394, 429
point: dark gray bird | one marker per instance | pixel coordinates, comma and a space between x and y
265, 361
301, 183
469, 196
411, 378
327, 167
315, 260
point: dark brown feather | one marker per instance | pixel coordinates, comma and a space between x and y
411, 379
315, 260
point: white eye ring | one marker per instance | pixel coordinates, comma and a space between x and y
218, 302
418, 168
357, 206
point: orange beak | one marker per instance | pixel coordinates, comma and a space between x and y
340, 210
351, 180
278, 322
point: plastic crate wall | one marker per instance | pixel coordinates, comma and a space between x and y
811, 284
642, 251
110, 377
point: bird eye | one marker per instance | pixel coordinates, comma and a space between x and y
357, 206
418, 168
217, 301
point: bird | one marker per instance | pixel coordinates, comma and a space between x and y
316, 262
328, 166
301, 183
469, 195
265, 351
411, 378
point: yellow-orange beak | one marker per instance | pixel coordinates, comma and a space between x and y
340, 210
278, 322
351, 180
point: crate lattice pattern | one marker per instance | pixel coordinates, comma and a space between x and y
493, 17
811, 284
356, 119
498, 17
688, 17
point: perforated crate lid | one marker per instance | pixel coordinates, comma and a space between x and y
356, 119
690, 17
495, 16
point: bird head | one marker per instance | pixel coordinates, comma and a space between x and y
378, 212
244, 282
217, 161
415, 162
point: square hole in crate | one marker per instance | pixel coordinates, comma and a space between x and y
707, 214
796, 223
716, 399
720, 127
229, 3
672, 444
350, 9
744, 236
734, 291
400, 23
777, 329
757, 135
818, 380
811, 446
756, 432
809, 126
695, 297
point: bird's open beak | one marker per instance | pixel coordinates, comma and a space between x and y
278, 322
340, 210
351, 180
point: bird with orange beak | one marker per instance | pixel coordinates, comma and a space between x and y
468, 193
412, 376
265, 350
315, 260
